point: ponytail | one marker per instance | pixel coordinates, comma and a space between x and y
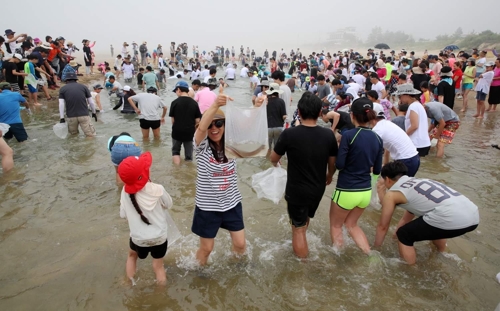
365, 116
138, 209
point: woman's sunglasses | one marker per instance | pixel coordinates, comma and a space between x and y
218, 124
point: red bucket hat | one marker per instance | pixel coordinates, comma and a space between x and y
134, 172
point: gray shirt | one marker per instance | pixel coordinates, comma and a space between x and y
148, 104
287, 98
75, 95
439, 111
439, 205
323, 90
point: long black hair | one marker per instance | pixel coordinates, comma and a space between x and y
138, 209
219, 149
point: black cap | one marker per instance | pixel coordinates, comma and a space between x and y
71, 76
361, 105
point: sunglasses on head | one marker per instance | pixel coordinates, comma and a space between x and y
217, 123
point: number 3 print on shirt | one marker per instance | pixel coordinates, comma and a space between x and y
435, 191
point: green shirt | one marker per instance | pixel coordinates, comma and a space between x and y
150, 79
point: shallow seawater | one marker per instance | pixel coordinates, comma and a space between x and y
64, 245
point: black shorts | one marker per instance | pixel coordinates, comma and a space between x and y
299, 214
157, 251
146, 124
418, 230
422, 152
206, 224
16, 130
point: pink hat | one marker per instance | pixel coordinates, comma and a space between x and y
37, 40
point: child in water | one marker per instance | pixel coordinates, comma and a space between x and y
144, 205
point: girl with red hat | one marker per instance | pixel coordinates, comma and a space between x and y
144, 205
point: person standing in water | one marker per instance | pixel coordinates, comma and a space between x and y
112, 49
144, 205
218, 199
185, 115
442, 212
311, 152
147, 109
360, 150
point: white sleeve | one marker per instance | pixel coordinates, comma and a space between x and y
62, 104
91, 104
166, 200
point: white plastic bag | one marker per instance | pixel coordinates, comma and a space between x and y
270, 184
61, 130
4, 127
173, 233
246, 132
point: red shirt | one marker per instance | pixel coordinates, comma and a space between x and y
458, 81
53, 53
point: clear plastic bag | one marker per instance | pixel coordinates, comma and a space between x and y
270, 184
246, 132
173, 233
61, 130
4, 128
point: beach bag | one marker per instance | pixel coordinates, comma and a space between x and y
246, 132
270, 184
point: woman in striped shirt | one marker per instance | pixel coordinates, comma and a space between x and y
218, 200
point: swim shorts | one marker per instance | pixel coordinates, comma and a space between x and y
146, 124
418, 230
299, 214
467, 86
481, 95
206, 224
351, 199
448, 132
16, 130
157, 251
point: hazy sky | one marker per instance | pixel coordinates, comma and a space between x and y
258, 24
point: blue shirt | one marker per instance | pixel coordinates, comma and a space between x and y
359, 150
10, 110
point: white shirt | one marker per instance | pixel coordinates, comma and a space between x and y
207, 78
118, 86
244, 72
205, 73
254, 79
153, 201
379, 87
353, 89
195, 74
484, 83
230, 73
359, 79
420, 137
395, 140
148, 104
160, 62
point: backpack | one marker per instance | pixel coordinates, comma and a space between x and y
143, 48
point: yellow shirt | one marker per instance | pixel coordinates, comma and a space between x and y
468, 71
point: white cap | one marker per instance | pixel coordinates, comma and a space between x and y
18, 56
379, 111
126, 88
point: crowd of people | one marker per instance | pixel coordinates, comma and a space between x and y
377, 106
